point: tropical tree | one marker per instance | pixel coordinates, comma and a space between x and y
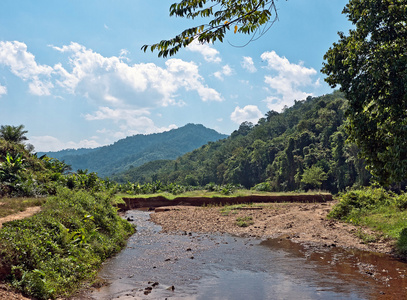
14, 134
314, 176
245, 16
370, 65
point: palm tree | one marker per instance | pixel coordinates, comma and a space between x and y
14, 134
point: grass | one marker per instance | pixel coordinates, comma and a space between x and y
378, 209
388, 220
210, 194
11, 206
234, 208
244, 221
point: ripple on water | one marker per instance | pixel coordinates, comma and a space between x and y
155, 265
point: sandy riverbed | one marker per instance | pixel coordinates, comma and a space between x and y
300, 222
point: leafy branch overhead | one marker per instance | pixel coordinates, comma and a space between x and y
244, 16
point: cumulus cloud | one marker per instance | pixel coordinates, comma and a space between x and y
209, 53
111, 79
3, 90
226, 71
250, 113
248, 64
99, 77
22, 64
288, 82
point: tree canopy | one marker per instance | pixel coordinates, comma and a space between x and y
370, 65
301, 148
14, 134
244, 16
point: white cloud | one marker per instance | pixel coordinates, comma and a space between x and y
289, 81
226, 71
250, 113
50, 143
130, 121
248, 64
149, 85
106, 113
123, 54
3, 90
208, 52
22, 64
40, 88
110, 79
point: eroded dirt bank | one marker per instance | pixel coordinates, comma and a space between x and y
153, 202
301, 222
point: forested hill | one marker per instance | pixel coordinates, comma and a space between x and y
136, 150
301, 148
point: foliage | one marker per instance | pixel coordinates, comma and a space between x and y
23, 174
402, 242
248, 16
14, 134
370, 65
314, 176
273, 154
158, 187
48, 254
354, 203
262, 187
378, 209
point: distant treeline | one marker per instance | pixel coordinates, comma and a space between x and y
301, 148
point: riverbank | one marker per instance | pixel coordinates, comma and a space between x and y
306, 223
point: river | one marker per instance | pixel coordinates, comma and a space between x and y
157, 265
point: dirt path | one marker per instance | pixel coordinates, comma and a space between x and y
301, 222
21, 215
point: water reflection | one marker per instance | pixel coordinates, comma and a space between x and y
203, 266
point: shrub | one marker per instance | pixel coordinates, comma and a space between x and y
401, 201
50, 253
402, 242
354, 203
262, 187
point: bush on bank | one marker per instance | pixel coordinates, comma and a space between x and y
51, 253
376, 208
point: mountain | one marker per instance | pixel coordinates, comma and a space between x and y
136, 150
301, 148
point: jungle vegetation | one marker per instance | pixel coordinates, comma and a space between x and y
302, 148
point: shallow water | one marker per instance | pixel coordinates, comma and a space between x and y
155, 265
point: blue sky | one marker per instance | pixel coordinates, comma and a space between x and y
73, 73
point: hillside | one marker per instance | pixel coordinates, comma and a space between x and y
137, 150
301, 148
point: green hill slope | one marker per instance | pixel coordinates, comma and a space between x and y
300, 148
138, 149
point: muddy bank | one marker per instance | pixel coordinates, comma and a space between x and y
299, 222
153, 202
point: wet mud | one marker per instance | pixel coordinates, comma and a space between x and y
187, 265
